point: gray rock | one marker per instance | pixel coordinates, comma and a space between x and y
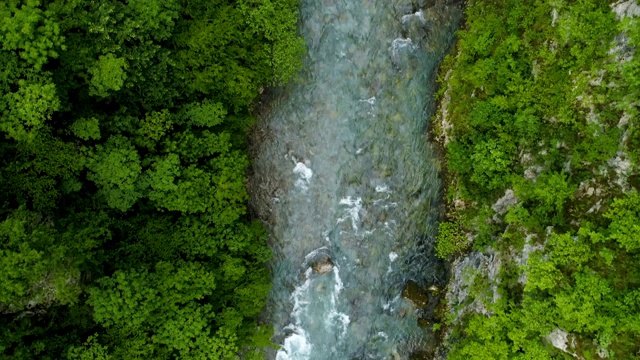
504, 203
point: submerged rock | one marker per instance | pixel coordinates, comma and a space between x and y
415, 294
425, 323
323, 265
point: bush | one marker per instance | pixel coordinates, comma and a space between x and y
450, 239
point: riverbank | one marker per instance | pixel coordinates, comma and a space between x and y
537, 118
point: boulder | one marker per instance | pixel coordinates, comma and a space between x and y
323, 265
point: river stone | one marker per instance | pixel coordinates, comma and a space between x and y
415, 294
323, 265
434, 290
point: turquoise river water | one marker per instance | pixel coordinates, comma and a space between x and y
344, 172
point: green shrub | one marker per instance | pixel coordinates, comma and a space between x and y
450, 239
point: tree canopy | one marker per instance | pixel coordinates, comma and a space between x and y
543, 155
123, 227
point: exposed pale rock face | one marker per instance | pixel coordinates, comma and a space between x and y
621, 165
504, 203
621, 49
589, 188
628, 8
603, 353
564, 341
559, 339
522, 258
595, 208
532, 172
464, 272
526, 158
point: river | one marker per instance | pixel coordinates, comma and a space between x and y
344, 175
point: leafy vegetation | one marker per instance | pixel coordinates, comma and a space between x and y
123, 224
450, 239
543, 103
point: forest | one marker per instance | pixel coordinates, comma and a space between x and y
124, 231
539, 124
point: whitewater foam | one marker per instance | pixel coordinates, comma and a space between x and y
304, 176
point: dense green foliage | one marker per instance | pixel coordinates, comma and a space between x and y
544, 102
450, 239
123, 229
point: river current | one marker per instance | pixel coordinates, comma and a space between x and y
344, 172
